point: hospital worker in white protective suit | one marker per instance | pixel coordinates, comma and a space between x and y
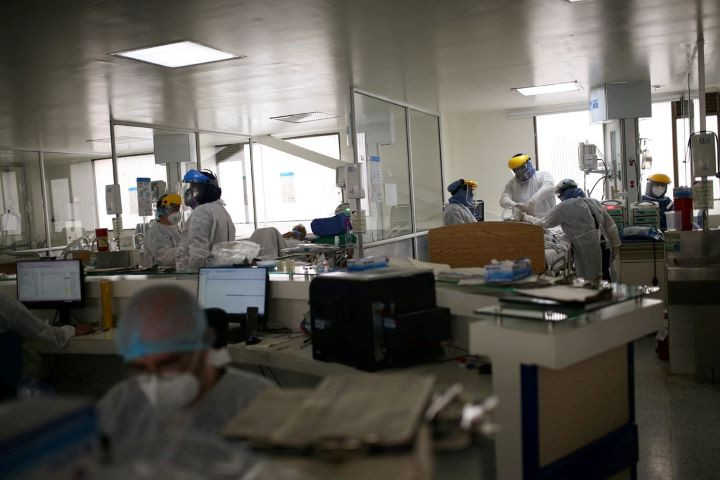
591, 230
18, 361
458, 208
163, 236
176, 403
529, 190
208, 224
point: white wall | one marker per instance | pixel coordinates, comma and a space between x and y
477, 146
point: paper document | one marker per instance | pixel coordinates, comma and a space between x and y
563, 293
383, 409
419, 264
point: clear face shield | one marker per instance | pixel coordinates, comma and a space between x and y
191, 193
524, 172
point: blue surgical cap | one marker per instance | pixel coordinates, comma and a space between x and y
572, 193
162, 319
454, 186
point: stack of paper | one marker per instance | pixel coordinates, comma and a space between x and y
365, 409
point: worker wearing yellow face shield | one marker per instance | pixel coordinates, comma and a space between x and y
529, 190
163, 237
656, 192
458, 208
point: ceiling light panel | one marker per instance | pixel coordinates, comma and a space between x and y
178, 54
304, 117
552, 88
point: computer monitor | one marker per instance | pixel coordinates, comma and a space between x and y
234, 289
57, 284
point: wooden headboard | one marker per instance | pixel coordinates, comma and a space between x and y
476, 244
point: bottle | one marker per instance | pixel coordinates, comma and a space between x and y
684, 204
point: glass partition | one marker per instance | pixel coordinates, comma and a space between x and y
70, 188
426, 169
291, 190
228, 156
135, 159
382, 141
22, 222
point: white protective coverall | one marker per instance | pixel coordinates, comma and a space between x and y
455, 213
136, 427
208, 224
161, 242
538, 194
584, 220
15, 317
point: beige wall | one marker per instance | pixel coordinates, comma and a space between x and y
478, 146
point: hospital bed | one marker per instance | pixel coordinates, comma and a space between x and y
477, 244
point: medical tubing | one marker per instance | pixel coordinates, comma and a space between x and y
595, 185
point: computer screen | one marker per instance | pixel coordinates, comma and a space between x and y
50, 282
233, 289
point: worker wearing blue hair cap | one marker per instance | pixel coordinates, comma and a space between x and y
163, 335
592, 232
458, 208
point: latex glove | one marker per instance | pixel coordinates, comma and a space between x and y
526, 208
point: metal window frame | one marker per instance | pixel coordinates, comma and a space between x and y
407, 107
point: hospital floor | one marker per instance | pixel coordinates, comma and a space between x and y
679, 421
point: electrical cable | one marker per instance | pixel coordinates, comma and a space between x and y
274, 377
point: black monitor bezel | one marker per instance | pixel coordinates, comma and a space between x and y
232, 317
52, 304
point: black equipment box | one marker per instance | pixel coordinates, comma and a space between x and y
377, 319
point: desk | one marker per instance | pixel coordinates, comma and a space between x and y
286, 352
567, 391
589, 358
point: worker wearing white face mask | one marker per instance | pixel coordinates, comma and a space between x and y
208, 224
164, 337
163, 236
529, 190
656, 192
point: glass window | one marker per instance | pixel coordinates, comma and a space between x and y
291, 190
558, 137
427, 176
70, 188
382, 140
656, 134
129, 169
22, 222
236, 184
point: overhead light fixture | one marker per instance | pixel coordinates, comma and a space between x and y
177, 54
575, 1
552, 88
304, 117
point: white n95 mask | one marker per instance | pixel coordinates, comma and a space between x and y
658, 191
169, 392
174, 218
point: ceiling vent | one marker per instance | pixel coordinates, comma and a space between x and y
304, 117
